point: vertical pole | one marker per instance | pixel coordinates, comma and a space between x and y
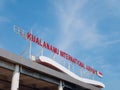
81, 72
30, 47
60, 87
15, 79
41, 51
72, 67
68, 65
53, 57
92, 74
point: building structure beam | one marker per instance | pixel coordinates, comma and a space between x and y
60, 87
15, 79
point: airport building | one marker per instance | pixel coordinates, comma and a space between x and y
42, 72
17, 73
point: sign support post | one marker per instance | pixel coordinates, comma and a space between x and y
30, 48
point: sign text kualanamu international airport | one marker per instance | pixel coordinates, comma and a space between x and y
55, 50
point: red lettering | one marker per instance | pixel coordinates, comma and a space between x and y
100, 73
91, 69
70, 58
44, 44
74, 60
62, 54
87, 68
94, 71
49, 47
67, 56
55, 50
33, 38
38, 41
81, 64
29, 36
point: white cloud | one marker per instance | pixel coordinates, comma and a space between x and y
73, 27
113, 3
13, 1
111, 42
76, 30
1, 46
2, 8
4, 19
4, 2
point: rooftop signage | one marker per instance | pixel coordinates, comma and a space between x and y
29, 36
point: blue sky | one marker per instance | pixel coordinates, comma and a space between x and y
86, 29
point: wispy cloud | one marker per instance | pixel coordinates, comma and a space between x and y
2, 4
13, 1
1, 45
111, 42
73, 27
4, 19
77, 30
114, 3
